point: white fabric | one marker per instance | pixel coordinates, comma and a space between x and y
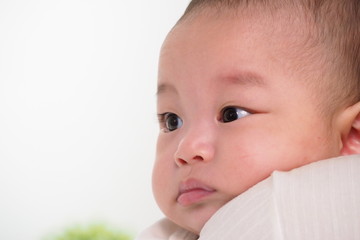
165, 229
314, 202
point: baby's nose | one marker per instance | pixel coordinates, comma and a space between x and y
195, 147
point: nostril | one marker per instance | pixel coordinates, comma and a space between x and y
197, 157
181, 161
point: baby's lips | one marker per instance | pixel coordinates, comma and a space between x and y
192, 191
192, 184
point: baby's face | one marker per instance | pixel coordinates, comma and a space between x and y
231, 112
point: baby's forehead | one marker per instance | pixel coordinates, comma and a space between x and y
283, 40
292, 26
224, 39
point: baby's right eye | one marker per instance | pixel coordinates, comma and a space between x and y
170, 121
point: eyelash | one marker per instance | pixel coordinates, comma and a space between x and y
231, 116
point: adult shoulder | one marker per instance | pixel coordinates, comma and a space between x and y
316, 201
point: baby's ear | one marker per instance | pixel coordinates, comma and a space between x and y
350, 135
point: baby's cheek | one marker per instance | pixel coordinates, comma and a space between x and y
160, 179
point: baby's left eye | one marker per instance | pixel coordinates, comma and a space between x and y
230, 114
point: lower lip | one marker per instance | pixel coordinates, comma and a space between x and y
193, 196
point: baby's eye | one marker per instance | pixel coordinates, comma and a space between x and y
230, 114
170, 121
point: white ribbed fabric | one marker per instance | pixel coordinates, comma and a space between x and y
315, 202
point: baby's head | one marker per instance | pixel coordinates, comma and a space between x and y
247, 87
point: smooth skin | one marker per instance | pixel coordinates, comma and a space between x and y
231, 112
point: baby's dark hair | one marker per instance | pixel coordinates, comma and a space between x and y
333, 24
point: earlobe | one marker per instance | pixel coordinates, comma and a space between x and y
350, 135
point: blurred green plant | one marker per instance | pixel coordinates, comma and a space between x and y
91, 232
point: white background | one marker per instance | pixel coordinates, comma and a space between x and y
77, 112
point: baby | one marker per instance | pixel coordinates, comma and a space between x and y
249, 87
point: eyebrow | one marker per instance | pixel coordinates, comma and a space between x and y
244, 78
164, 87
